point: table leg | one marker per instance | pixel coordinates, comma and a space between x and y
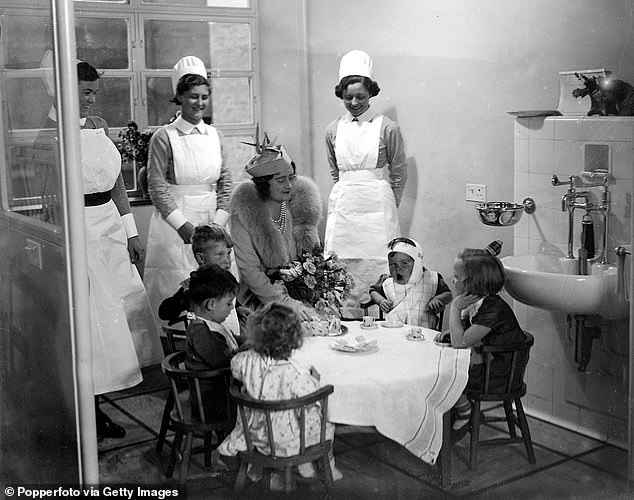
444, 457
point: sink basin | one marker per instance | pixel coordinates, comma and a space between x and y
545, 281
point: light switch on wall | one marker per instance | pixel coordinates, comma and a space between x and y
476, 192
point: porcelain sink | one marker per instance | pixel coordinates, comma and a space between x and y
546, 282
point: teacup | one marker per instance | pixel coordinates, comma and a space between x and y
416, 332
368, 321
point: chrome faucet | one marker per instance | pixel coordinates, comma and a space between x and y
570, 201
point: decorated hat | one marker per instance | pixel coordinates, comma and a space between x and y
269, 159
185, 66
355, 62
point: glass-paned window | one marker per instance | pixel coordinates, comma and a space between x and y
25, 39
236, 4
230, 46
113, 101
134, 48
167, 41
28, 103
231, 99
159, 94
103, 41
237, 155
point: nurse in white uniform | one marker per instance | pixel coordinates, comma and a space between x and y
366, 156
115, 287
188, 180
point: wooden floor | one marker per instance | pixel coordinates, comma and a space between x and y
569, 466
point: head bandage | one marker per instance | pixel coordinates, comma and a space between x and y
415, 252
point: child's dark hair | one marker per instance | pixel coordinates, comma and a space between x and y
210, 281
274, 330
86, 72
484, 273
370, 85
209, 232
188, 82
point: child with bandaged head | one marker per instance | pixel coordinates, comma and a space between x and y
411, 293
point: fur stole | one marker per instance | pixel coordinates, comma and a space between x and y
305, 210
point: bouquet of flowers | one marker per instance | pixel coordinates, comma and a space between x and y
134, 145
322, 282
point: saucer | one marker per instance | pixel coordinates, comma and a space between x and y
391, 324
373, 327
414, 337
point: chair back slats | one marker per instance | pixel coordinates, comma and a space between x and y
298, 406
173, 367
519, 355
302, 429
509, 383
245, 425
194, 384
324, 414
269, 430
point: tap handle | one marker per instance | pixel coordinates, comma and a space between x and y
554, 180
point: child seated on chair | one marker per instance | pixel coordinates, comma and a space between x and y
478, 315
268, 372
411, 293
209, 344
211, 244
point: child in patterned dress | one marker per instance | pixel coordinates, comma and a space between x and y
268, 372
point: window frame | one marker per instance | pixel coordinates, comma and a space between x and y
136, 13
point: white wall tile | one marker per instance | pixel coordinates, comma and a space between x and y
520, 128
536, 406
567, 129
622, 160
593, 424
607, 129
568, 159
540, 379
520, 156
541, 128
540, 156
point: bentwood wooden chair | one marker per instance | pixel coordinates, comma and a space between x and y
317, 453
510, 394
188, 419
174, 341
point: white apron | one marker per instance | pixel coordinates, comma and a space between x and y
197, 163
362, 214
115, 365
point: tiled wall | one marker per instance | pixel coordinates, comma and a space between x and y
594, 402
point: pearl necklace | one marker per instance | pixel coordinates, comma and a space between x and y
281, 222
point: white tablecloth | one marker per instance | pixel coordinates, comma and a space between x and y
403, 388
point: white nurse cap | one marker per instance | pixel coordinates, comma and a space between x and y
355, 62
185, 66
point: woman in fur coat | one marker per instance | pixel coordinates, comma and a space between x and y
273, 220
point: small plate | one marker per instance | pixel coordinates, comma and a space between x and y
442, 344
414, 338
352, 350
373, 327
389, 324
